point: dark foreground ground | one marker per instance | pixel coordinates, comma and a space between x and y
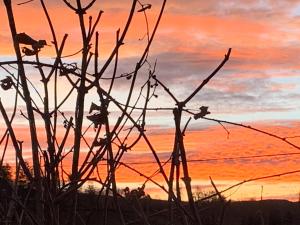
266, 212
94, 210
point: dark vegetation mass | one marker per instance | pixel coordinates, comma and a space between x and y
41, 190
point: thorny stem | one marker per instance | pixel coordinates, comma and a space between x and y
15, 142
148, 144
32, 126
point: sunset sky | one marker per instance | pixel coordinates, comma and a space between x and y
258, 86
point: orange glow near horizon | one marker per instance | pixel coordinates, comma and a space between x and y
217, 155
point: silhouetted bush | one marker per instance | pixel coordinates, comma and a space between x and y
275, 217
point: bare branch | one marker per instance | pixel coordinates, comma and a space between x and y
204, 82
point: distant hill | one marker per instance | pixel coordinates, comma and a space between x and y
266, 212
94, 209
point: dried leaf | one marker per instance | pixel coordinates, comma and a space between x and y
29, 52
94, 107
39, 44
145, 7
203, 112
97, 118
6, 83
25, 39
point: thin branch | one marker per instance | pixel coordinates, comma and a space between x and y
15, 142
166, 89
186, 125
255, 129
227, 131
23, 3
204, 82
250, 180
